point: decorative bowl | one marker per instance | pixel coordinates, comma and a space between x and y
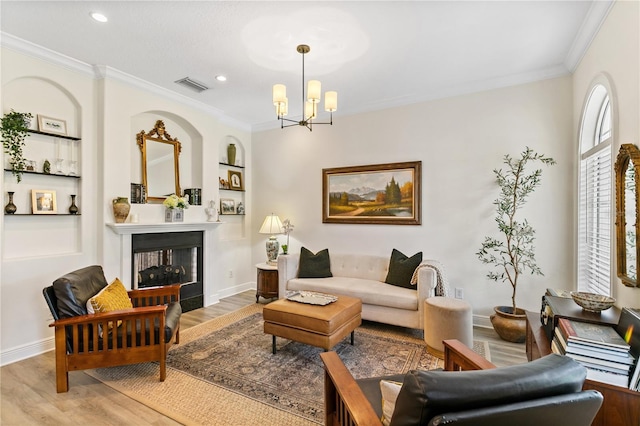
592, 302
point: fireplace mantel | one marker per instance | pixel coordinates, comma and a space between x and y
148, 228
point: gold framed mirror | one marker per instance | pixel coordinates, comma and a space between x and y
160, 163
627, 168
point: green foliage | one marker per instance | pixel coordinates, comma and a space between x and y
14, 131
513, 252
392, 192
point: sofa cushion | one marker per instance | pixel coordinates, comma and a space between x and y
314, 265
74, 289
401, 269
369, 291
425, 394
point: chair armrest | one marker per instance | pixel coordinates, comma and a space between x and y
426, 285
108, 316
458, 357
150, 296
287, 269
345, 404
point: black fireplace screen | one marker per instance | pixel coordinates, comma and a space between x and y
170, 258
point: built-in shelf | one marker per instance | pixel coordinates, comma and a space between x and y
232, 214
42, 215
29, 172
228, 189
72, 138
147, 228
231, 165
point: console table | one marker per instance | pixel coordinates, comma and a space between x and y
621, 406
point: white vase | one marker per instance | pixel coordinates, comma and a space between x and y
174, 215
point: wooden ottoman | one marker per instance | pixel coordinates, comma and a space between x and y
321, 326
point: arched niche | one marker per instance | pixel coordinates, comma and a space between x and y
191, 152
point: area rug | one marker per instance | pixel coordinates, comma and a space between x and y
223, 371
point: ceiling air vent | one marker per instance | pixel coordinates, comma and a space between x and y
192, 84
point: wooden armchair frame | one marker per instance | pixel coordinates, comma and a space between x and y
346, 405
90, 350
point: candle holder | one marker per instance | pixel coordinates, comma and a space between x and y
73, 168
59, 164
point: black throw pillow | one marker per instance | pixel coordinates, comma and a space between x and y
401, 269
314, 265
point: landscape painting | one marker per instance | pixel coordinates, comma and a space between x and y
375, 194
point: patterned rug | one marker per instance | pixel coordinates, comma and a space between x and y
227, 363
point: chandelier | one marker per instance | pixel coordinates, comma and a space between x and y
310, 102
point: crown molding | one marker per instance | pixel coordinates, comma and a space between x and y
105, 72
590, 27
442, 93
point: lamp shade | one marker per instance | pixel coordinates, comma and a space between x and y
331, 101
279, 93
271, 225
314, 90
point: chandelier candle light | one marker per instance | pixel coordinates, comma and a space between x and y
271, 226
310, 102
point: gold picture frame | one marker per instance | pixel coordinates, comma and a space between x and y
235, 180
377, 194
43, 201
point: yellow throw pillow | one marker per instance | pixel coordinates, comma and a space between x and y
113, 297
390, 391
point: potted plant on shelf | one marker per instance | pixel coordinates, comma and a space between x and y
513, 253
15, 126
175, 208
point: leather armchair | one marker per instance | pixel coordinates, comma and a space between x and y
144, 333
543, 392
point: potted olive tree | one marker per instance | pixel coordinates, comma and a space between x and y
15, 126
512, 253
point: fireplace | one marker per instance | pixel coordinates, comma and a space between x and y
170, 258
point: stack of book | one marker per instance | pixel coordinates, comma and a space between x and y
596, 346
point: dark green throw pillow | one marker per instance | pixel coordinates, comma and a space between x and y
314, 265
401, 269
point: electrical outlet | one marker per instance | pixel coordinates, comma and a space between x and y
459, 293
230, 273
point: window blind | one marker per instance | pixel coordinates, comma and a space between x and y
594, 228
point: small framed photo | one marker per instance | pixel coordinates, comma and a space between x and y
43, 201
227, 206
235, 180
52, 125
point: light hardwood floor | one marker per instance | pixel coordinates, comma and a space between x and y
28, 395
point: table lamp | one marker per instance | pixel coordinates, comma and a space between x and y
271, 226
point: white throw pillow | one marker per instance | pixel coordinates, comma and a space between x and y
390, 391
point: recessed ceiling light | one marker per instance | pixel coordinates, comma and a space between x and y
221, 78
99, 17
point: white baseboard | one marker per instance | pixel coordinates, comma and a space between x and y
482, 321
230, 291
26, 351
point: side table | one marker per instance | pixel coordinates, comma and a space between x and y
267, 283
621, 406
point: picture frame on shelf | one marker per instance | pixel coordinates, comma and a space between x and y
392, 195
43, 201
227, 206
52, 125
235, 180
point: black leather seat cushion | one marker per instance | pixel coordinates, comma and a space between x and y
74, 289
425, 394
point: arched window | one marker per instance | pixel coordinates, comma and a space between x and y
595, 189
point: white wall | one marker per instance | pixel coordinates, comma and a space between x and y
106, 108
614, 54
459, 141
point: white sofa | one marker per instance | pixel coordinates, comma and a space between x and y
363, 276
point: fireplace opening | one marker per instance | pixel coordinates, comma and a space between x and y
170, 258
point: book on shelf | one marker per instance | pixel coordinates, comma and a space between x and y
595, 372
634, 383
599, 335
577, 348
591, 362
